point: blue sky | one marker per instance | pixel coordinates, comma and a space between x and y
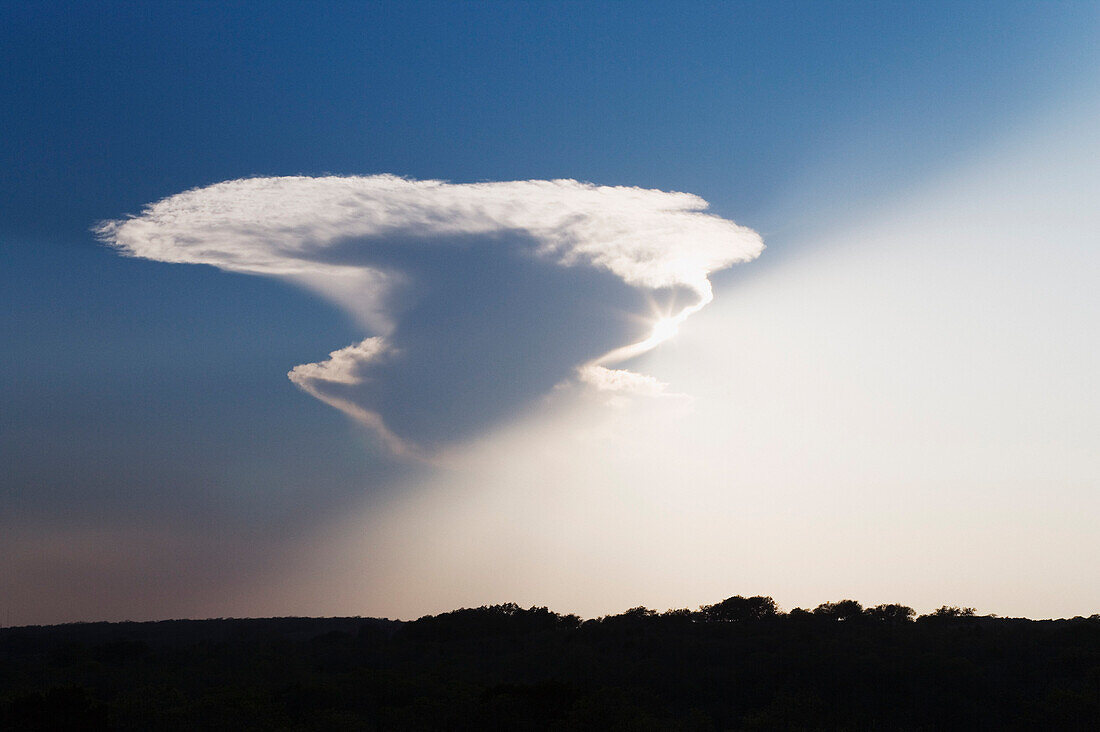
146, 400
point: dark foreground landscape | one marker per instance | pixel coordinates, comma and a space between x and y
737, 665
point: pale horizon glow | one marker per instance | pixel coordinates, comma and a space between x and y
853, 434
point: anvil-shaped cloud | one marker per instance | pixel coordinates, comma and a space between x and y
478, 296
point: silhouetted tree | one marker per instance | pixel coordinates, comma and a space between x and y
948, 612
739, 608
681, 613
508, 619
890, 613
843, 610
633, 616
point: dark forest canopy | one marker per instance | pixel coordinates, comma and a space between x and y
738, 664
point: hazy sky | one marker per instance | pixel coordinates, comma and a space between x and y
321, 309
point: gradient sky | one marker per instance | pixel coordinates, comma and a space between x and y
895, 402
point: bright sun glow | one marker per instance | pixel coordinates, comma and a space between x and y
664, 329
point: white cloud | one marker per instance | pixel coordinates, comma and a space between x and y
621, 380
316, 231
343, 366
348, 366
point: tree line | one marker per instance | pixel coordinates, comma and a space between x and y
738, 664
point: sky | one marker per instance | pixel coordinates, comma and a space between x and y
387, 309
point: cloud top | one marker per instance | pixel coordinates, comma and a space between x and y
325, 233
